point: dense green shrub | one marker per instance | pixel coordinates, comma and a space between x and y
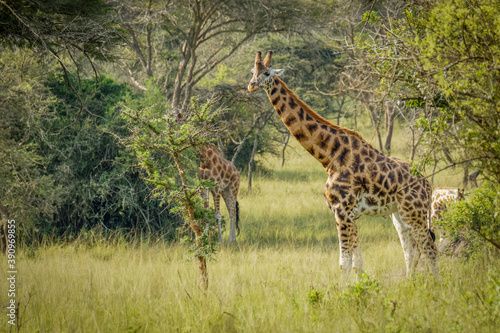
92, 166
477, 218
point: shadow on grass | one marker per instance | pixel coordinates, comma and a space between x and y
310, 231
294, 175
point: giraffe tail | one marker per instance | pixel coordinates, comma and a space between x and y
433, 235
238, 218
430, 227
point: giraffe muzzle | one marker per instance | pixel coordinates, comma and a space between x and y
253, 86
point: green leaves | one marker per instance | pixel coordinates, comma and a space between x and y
371, 17
165, 142
479, 214
441, 60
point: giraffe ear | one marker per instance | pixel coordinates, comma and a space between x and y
277, 72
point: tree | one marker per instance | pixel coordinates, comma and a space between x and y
164, 149
27, 190
440, 57
194, 37
62, 28
360, 77
186, 47
61, 170
91, 167
460, 48
53, 23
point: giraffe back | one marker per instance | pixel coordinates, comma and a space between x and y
442, 195
216, 168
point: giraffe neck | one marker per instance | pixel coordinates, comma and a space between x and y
330, 144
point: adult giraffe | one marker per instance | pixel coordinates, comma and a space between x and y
361, 180
226, 177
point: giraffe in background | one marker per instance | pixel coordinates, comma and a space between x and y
216, 168
440, 196
361, 180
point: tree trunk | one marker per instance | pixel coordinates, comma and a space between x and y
149, 45
250, 163
202, 264
340, 105
374, 117
202, 261
237, 151
189, 210
390, 115
285, 144
4, 218
254, 150
434, 169
465, 182
377, 131
473, 178
413, 148
355, 119
189, 79
180, 75
247, 134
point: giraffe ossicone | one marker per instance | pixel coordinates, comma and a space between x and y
361, 180
223, 173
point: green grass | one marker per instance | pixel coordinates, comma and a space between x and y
282, 276
253, 288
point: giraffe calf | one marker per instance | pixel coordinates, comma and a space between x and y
440, 196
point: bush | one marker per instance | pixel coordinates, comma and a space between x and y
477, 218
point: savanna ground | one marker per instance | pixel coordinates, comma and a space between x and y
282, 276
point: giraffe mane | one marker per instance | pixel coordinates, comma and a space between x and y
314, 115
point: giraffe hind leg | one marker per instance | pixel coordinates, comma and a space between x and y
231, 205
428, 249
408, 244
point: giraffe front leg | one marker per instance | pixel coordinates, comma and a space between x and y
350, 252
357, 260
217, 195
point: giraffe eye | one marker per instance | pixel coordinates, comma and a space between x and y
266, 73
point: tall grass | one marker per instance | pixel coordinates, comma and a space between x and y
252, 288
282, 276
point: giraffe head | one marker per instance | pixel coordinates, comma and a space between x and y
263, 73
461, 194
